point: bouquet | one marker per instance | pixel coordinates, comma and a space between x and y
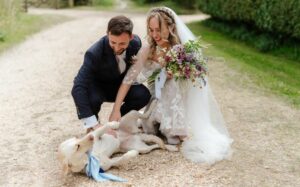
185, 62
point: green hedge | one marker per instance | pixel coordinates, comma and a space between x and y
275, 16
263, 41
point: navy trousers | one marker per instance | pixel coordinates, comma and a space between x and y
137, 97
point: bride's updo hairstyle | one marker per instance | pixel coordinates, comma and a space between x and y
164, 16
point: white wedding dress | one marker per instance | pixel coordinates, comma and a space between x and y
186, 110
169, 110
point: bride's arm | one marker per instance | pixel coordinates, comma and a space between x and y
128, 80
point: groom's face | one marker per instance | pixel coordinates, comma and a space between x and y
119, 43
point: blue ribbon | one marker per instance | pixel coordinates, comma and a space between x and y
160, 82
94, 171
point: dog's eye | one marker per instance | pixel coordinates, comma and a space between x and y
78, 146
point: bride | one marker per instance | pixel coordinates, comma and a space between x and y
182, 109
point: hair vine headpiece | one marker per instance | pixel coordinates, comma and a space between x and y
165, 11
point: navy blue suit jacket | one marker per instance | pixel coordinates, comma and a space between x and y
100, 68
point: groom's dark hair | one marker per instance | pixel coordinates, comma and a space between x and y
119, 24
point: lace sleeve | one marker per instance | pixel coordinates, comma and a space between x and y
135, 70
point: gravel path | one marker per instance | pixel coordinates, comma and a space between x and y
37, 113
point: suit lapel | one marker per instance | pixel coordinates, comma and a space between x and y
128, 57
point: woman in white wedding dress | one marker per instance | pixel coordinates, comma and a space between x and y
182, 109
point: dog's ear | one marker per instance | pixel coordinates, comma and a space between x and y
64, 162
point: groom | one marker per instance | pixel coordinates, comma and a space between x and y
104, 67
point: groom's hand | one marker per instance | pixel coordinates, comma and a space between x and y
115, 116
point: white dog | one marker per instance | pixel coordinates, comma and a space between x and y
129, 140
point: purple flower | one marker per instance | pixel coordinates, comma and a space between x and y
179, 61
198, 67
189, 57
185, 63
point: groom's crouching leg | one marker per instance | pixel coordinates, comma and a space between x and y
138, 96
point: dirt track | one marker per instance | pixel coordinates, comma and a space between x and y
37, 113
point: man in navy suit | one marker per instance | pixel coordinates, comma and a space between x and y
104, 67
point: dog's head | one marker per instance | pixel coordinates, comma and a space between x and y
72, 153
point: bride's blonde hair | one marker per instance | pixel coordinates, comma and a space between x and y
164, 16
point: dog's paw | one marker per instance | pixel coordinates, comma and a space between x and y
132, 153
114, 124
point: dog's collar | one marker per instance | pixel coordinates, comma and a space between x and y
93, 170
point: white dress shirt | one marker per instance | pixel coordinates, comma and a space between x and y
121, 62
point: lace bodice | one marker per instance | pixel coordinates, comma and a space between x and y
142, 69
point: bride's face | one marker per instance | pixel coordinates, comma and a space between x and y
159, 34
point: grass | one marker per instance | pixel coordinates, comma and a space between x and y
24, 25
95, 8
143, 8
99, 5
104, 4
275, 74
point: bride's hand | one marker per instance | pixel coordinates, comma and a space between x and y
169, 75
134, 59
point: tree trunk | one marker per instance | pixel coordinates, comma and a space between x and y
25, 5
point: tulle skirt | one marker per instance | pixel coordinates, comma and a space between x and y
208, 140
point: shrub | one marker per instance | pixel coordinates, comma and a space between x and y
2, 36
277, 44
276, 16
